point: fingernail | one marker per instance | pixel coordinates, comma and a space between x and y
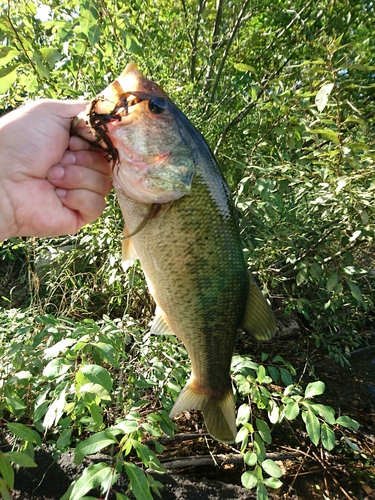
56, 173
60, 193
68, 158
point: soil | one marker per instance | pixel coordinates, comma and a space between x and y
309, 472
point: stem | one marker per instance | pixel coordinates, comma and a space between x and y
201, 7
229, 44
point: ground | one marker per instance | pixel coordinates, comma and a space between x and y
312, 475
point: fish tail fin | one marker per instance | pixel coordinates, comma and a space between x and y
218, 410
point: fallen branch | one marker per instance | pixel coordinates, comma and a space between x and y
232, 459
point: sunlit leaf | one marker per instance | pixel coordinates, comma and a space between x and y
328, 437
25, 433
100, 474
271, 468
94, 443
322, 96
249, 480
314, 389
8, 76
312, 425
347, 422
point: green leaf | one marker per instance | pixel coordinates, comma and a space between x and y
15, 403
352, 445
89, 22
328, 437
43, 71
314, 389
94, 443
325, 412
244, 68
327, 133
97, 375
347, 422
107, 352
249, 480
95, 475
242, 434
273, 482
322, 96
51, 55
7, 77
273, 412
264, 430
120, 496
61, 346
355, 291
6, 470
312, 425
286, 377
5, 493
57, 367
301, 276
56, 409
148, 457
262, 493
24, 433
243, 414
291, 410
259, 447
250, 458
271, 468
274, 372
7, 53
138, 481
261, 375
21, 458
64, 439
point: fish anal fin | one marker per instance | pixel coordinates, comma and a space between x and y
129, 254
218, 410
258, 320
159, 326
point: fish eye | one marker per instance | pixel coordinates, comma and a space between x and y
157, 106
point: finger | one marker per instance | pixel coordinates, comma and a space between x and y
77, 144
91, 159
87, 204
79, 177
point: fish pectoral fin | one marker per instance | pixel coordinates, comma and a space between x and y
129, 255
258, 319
159, 326
218, 410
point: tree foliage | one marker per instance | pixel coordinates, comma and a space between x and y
284, 94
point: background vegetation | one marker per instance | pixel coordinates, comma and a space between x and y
284, 94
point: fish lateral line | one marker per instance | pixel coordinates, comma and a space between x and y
152, 213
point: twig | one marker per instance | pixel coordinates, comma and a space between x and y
217, 460
332, 477
299, 469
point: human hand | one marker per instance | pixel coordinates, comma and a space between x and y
50, 183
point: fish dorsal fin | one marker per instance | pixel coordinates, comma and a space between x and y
129, 255
258, 319
159, 326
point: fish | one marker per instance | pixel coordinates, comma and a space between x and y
182, 225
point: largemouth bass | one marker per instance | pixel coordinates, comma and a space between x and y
181, 223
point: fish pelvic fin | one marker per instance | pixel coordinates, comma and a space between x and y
129, 254
218, 410
258, 320
159, 325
